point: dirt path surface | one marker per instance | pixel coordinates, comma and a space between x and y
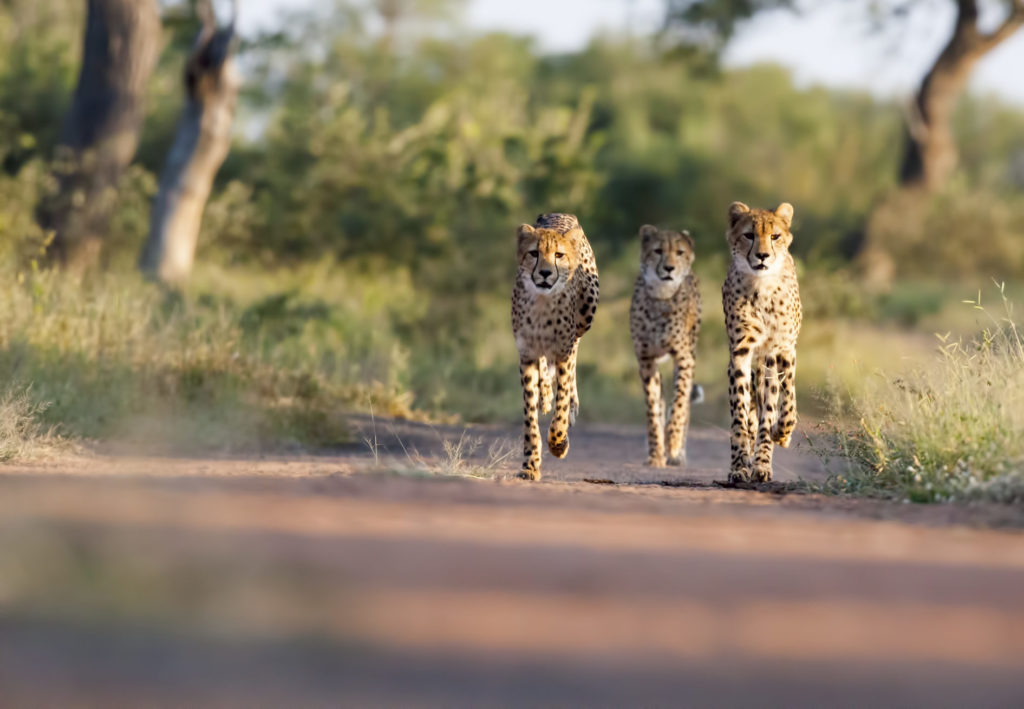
361, 579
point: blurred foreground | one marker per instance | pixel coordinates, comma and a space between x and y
366, 578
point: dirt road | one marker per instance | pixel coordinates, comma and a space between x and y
358, 579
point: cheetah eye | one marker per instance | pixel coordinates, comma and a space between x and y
559, 255
749, 235
679, 253
534, 253
659, 252
776, 237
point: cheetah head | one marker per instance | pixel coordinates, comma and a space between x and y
666, 258
759, 239
547, 259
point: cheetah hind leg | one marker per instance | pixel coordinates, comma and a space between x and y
547, 377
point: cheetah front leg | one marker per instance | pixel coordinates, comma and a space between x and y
679, 420
530, 375
651, 378
546, 394
558, 433
767, 400
782, 432
741, 383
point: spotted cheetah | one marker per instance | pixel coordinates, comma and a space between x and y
554, 300
761, 300
664, 318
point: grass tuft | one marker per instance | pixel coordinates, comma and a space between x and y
22, 435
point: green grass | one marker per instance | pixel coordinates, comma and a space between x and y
951, 430
216, 368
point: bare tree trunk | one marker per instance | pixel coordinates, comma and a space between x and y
930, 156
101, 131
200, 146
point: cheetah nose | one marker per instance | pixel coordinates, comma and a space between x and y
762, 255
544, 274
669, 269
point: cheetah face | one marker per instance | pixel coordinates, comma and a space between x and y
547, 260
665, 258
759, 239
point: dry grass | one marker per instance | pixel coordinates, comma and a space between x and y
21, 433
951, 430
117, 358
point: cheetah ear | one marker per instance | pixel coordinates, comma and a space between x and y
689, 239
523, 234
785, 212
648, 232
736, 212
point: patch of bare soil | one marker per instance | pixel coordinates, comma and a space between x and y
365, 578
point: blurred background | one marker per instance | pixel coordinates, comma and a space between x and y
239, 239
360, 166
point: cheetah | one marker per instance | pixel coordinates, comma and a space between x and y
554, 300
664, 318
761, 300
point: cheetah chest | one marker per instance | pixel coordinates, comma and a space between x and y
661, 327
769, 315
545, 325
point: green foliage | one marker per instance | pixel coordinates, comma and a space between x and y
963, 230
38, 68
708, 24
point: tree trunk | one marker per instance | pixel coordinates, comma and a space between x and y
930, 156
200, 146
101, 131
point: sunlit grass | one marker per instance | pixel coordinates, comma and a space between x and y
950, 430
114, 357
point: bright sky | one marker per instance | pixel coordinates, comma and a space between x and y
830, 45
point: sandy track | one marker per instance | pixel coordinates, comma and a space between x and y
309, 580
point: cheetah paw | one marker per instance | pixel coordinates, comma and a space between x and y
739, 475
527, 474
559, 448
762, 475
781, 439
655, 462
677, 460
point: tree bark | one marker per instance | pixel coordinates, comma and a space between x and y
930, 156
101, 131
201, 144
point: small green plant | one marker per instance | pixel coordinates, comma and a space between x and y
950, 431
